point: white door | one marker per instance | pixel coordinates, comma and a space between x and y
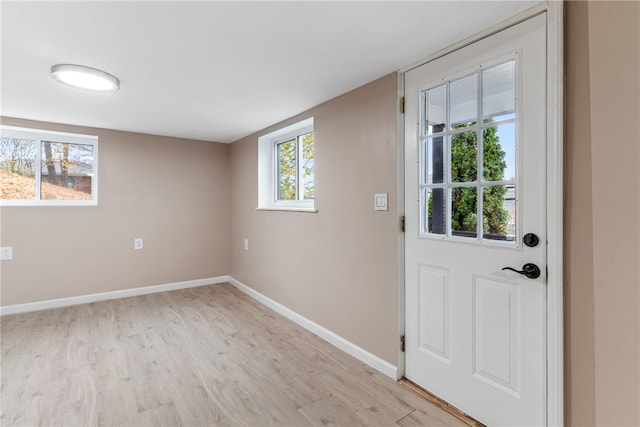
475, 203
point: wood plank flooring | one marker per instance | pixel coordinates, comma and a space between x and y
196, 357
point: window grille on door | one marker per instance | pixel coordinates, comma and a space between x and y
468, 156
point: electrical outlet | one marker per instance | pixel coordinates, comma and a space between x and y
6, 253
246, 244
137, 243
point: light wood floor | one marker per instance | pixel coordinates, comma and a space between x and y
198, 357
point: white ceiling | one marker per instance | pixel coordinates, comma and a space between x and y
217, 71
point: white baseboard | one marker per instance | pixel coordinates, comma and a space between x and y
104, 296
359, 353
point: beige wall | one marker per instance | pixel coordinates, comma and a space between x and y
172, 192
602, 217
337, 267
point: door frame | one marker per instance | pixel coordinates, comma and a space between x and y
555, 288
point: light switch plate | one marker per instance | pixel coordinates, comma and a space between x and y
381, 202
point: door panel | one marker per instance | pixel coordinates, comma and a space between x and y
433, 296
495, 318
475, 184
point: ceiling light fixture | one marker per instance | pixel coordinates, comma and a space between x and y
85, 77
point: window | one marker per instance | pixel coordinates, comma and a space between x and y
286, 168
468, 162
46, 168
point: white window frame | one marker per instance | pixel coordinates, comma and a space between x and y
39, 135
268, 169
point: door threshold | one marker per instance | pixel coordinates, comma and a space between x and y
440, 403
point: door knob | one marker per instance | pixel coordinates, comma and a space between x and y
529, 270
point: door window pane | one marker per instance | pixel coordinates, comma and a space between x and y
464, 154
498, 91
435, 111
463, 100
499, 212
499, 152
433, 171
464, 216
436, 210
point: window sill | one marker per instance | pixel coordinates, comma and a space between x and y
46, 203
289, 209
